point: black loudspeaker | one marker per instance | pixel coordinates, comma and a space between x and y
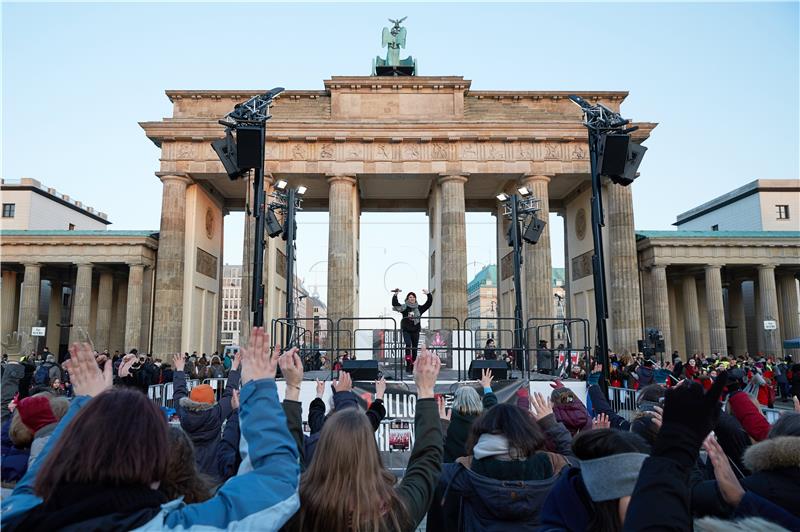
640, 346
361, 370
499, 369
226, 151
249, 147
534, 230
614, 149
635, 156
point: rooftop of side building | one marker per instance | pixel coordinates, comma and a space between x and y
35, 186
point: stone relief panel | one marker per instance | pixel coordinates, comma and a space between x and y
525, 151
552, 151
299, 152
382, 152
412, 151
326, 151
577, 152
469, 151
495, 152
206, 264
439, 151
354, 152
273, 150
581, 266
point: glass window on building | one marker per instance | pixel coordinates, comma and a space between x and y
9, 209
783, 212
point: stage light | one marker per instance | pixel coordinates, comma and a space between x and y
301, 190
274, 227
281, 184
533, 231
225, 149
502, 196
524, 191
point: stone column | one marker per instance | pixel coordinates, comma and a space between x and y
623, 290
29, 300
245, 315
691, 316
168, 312
453, 248
716, 310
790, 324
133, 308
538, 266
9, 309
768, 297
118, 316
660, 305
54, 317
736, 303
342, 301
105, 300
81, 304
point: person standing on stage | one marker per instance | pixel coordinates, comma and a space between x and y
410, 324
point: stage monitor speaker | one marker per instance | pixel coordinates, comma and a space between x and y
249, 147
614, 149
534, 230
499, 369
361, 370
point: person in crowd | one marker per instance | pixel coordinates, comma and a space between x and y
595, 496
216, 370
201, 415
627, 365
201, 367
10, 387
410, 325
46, 372
467, 406
569, 410
369, 499
40, 414
68, 487
782, 377
544, 358
227, 362
16, 449
502, 482
645, 373
343, 397
182, 478
489, 350
57, 388
745, 407
29, 367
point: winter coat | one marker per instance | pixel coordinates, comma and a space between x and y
216, 371
203, 421
568, 505
646, 375
40, 439
775, 466
544, 359
573, 415
457, 430
263, 496
749, 415
14, 459
9, 386
407, 324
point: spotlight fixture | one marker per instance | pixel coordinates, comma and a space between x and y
301, 190
524, 191
274, 227
502, 197
281, 184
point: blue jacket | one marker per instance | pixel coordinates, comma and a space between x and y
262, 496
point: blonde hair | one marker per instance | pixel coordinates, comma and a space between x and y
346, 487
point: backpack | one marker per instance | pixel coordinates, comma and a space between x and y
42, 375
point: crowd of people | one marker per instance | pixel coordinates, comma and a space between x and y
697, 454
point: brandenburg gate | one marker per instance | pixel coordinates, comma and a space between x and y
427, 144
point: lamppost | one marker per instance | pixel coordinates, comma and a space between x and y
611, 154
518, 208
287, 200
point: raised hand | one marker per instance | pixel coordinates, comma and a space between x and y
344, 383
443, 412
426, 370
320, 388
729, 486
235, 399
178, 361
380, 388
237, 361
292, 370
125, 365
657, 415
601, 422
540, 406
796, 402
396, 290
257, 360
425, 291
486, 378
86, 376
686, 406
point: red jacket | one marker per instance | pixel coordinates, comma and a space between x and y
749, 415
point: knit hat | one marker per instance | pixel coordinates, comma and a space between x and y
35, 412
611, 477
202, 394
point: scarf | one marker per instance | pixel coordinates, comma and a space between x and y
414, 310
495, 446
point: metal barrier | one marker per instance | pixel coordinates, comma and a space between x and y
623, 401
513, 355
574, 332
218, 385
162, 394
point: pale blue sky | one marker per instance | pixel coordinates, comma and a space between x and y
720, 79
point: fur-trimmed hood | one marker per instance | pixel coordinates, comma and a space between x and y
195, 406
773, 453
